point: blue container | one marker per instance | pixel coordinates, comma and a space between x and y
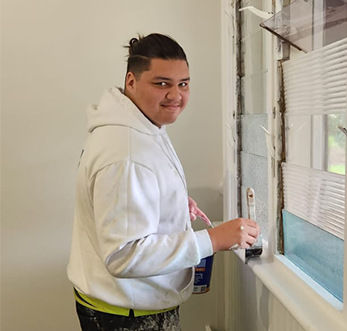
203, 272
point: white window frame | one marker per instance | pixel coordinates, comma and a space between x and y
309, 303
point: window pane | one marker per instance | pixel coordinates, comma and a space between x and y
310, 24
336, 144
315, 141
298, 140
253, 136
253, 68
253, 92
317, 252
254, 166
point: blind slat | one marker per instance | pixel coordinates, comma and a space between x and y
316, 196
315, 84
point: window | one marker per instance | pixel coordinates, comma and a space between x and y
306, 142
313, 164
313, 174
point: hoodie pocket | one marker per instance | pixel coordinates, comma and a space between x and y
186, 292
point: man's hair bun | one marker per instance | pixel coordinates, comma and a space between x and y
132, 42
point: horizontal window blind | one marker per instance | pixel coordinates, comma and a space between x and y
315, 84
315, 196
314, 200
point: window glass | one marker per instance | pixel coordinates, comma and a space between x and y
310, 24
318, 253
336, 144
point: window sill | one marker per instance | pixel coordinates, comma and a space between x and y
312, 306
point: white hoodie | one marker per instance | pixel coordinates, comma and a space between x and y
133, 245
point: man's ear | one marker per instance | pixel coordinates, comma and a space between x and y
130, 81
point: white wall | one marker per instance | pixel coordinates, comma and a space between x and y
58, 56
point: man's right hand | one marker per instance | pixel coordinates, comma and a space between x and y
240, 231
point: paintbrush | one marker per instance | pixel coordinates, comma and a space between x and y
257, 248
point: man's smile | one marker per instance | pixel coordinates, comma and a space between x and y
171, 106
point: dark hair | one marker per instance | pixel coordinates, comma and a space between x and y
153, 46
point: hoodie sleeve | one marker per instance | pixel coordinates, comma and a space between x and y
126, 203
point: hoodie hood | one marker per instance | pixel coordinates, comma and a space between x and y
115, 108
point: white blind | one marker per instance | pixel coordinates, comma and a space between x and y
316, 82
316, 196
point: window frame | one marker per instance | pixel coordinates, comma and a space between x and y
274, 269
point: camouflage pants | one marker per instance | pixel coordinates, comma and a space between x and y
92, 320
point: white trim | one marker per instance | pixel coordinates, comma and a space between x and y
228, 106
307, 301
312, 306
345, 250
326, 295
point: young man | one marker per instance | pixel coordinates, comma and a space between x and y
133, 248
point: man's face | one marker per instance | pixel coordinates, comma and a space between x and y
162, 92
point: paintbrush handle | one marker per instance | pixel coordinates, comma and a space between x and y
251, 212
251, 203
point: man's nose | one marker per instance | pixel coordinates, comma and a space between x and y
174, 94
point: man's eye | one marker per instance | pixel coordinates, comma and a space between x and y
184, 84
161, 84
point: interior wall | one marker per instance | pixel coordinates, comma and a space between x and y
56, 58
